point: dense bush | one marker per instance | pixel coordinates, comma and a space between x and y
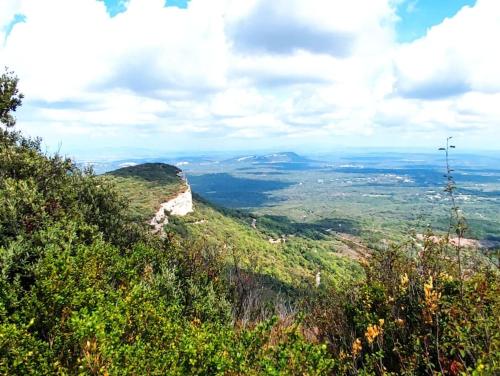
414, 314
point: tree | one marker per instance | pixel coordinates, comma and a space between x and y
10, 98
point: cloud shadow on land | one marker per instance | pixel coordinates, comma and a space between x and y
235, 192
316, 230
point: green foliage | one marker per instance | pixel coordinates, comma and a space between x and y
10, 98
36, 190
293, 262
21, 353
409, 316
146, 186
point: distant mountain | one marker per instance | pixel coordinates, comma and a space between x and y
101, 167
282, 157
187, 162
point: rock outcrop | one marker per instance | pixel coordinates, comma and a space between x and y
181, 205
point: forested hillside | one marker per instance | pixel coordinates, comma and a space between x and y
86, 288
147, 186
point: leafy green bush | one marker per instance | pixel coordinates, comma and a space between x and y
414, 314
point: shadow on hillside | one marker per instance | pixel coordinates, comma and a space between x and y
280, 225
274, 286
235, 192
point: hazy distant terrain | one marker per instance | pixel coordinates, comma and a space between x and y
377, 194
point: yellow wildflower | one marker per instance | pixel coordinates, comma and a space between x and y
342, 355
431, 299
372, 332
356, 347
404, 281
446, 277
429, 285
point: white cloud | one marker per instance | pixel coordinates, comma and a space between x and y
235, 102
66, 48
456, 56
333, 27
248, 70
448, 82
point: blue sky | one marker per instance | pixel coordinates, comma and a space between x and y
115, 7
418, 16
17, 18
182, 76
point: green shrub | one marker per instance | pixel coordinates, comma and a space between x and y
411, 315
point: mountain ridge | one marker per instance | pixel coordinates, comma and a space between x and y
278, 157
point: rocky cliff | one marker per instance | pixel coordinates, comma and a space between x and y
180, 205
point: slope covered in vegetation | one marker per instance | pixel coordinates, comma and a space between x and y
86, 289
252, 243
287, 256
83, 289
146, 186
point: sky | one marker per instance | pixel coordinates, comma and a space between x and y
227, 75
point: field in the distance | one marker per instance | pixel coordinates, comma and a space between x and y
371, 195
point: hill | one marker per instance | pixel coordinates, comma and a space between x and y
288, 257
86, 289
147, 186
